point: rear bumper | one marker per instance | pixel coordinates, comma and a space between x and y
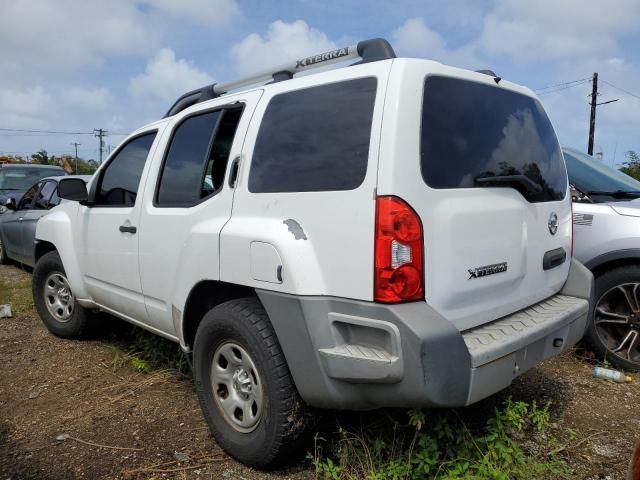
347, 354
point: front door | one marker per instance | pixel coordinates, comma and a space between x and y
109, 230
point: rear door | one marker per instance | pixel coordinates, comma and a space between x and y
484, 171
45, 199
13, 224
187, 201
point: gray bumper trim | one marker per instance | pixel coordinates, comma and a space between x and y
497, 339
348, 354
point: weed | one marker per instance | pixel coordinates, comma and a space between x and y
439, 445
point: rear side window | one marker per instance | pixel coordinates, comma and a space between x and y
476, 135
196, 162
315, 139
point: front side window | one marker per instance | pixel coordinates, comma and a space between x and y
196, 161
118, 186
315, 139
476, 135
42, 200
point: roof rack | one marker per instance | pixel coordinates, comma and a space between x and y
367, 50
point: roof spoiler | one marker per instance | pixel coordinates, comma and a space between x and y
367, 51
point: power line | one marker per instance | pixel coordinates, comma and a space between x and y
581, 80
621, 89
564, 88
51, 132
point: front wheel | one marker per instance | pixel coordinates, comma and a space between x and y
244, 386
614, 326
54, 299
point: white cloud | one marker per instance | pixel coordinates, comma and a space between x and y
213, 13
65, 35
167, 77
415, 38
27, 108
88, 98
283, 42
549, 29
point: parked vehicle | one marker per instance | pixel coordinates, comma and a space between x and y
17, 178
606, 217
311, 251
18, 224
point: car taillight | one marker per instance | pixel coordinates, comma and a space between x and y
398, 269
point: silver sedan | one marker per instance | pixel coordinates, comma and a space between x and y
18, 222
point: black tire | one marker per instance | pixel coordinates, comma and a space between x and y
605, 283
245, 323
3, 255
73, 327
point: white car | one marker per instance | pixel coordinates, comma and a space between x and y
606, 215
396, 232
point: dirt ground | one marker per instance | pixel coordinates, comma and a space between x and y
71, 410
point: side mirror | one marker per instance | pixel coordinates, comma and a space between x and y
10, 203
73, 189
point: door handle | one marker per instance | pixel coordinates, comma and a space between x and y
128, 229
233, 175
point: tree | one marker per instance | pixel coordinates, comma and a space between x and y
632, 165
41, 157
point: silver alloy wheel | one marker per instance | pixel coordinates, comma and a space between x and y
237, 388
617, 321
58, 297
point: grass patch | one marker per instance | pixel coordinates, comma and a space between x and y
438, 444
17, 294
144, 351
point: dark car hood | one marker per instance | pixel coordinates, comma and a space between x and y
5, 195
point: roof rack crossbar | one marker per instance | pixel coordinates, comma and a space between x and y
367, 50
191, 98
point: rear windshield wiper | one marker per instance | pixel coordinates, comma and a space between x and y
617, 193
522, 180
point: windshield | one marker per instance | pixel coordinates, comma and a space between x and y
478, 136
20, 179
590, 175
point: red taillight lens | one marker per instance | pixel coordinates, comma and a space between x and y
398, 269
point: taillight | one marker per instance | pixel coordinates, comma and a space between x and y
398, 269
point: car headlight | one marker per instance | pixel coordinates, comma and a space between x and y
3, 209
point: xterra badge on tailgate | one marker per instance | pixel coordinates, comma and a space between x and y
487, 270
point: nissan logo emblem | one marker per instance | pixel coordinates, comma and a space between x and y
553, 223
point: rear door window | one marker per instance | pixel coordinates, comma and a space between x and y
476, 135
315, 139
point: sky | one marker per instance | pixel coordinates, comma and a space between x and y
79, 65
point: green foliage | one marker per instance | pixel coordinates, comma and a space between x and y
632, 164
439, 445
139, 365
145, 351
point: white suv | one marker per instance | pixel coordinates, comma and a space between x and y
393, 233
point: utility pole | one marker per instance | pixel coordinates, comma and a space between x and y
592, 120
594, 104
75, 144
100, 133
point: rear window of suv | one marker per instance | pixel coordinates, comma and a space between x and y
476, 135
315, 139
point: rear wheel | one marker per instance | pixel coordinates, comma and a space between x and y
54, 299
614, 327
244, 386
